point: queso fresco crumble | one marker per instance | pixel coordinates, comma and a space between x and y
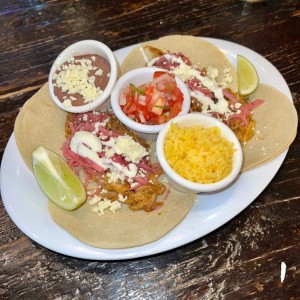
81, 79
114, 166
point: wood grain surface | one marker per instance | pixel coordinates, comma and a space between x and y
240, 260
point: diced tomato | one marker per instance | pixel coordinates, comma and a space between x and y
152, 100
158, 73
165, 83
127, 106
159, 119
149, 90
175, 109
155, 102
177, 94
159, 106
170, 86
146, 113
132, 108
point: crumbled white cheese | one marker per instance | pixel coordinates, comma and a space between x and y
164, 179
134, 184
100, 205
98, 125
121, 198
85, 117
99, 72
115, 205
227, 78
110, 153
212, 73
74, 78
125, 145
67, 103
113, 177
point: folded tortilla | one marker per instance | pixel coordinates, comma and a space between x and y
41, 122
201, 53
276, 127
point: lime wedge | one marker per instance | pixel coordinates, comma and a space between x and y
56, 179
247, 76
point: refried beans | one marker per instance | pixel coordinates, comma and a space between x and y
81, 79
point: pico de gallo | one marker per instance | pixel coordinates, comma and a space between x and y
155, 102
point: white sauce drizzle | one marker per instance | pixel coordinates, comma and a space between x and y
87, 145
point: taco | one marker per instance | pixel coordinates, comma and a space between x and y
276, 127
200, 52
40, 121
212, 82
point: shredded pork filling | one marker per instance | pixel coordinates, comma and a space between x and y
139, 191
210, 98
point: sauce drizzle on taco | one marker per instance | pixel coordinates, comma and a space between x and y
113, 163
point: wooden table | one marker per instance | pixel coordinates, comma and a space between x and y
240, 260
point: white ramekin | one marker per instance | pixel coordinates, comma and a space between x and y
183, 184
79, 48
137, 77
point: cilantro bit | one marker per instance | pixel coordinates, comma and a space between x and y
162, 106
136, 89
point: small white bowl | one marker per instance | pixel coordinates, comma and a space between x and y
137, 77
79, 48
183, 184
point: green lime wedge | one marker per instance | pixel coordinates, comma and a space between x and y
247, 76
56, 179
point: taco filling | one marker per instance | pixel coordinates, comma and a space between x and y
114, 163
211, 97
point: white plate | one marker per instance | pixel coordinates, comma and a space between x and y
27, 205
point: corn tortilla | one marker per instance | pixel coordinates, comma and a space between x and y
40, 121
199, 51
276, 127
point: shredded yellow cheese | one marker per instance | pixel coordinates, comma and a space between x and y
199, 154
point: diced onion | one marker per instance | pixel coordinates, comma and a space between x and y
142, 118
142, 100
122, 100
